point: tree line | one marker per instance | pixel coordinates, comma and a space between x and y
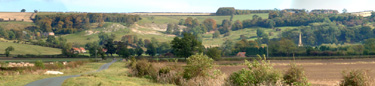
71, 23
233, 11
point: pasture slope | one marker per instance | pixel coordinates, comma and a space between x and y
28, 49
18, 16
155, 26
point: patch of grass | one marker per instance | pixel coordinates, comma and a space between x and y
249, 33
116, 75
82, 38
44, 59
28, 49
17, 25
175, 19
23, 79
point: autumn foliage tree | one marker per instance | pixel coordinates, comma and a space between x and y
210, 24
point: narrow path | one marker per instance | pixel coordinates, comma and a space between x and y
57, 81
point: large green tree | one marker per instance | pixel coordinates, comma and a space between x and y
139, 51
287, 46
151, 49
93, 48
186, 46
7, 50
214, 53
370, 44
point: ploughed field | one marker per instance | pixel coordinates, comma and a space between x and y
318, 72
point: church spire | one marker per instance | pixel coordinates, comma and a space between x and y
300, 40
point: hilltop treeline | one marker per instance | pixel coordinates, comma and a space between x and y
242, 12
232, 11
66, 24
279, 19
225, 11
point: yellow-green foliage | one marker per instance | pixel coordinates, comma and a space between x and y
115, 75
356, 78
198, 65
296, 76
257, 74
39, 64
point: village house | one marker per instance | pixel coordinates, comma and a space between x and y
78, 50
241, 54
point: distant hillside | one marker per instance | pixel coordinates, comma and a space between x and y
18, 25
18, 16
28, 49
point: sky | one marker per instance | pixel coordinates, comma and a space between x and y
178, 5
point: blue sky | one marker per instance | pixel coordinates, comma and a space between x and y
178, 5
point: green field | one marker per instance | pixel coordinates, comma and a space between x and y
175, 19
82, 38
115, 75
250, 33
18, 25
28, 49
43, 59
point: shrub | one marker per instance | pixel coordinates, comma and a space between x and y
59, 65
356, 78
39, 64
258, 73
143, 68
214, 53
200, 71
295, 76
3, 64
132, 63
164, 70
198, 65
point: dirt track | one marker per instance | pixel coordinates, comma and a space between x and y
319, 72
58, 81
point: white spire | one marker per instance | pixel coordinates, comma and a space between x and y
300, 40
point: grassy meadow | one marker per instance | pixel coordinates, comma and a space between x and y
28, 49
23, 79
115, 75
176, 19
43, 59
17, 25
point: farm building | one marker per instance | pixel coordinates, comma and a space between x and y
78, 50
241, 54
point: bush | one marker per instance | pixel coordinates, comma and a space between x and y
356, 78
164, 70
198, 65
3, 64
259, 73
132, 63
59, 65
39, 64
145, 68
295, 76
214, 53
